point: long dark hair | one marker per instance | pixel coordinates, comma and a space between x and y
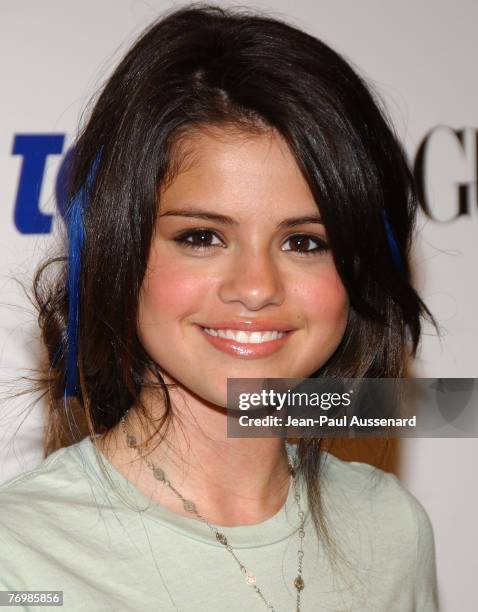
200, 66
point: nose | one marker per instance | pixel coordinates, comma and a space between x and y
253, 279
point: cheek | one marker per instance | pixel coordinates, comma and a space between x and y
324, 301
169, 293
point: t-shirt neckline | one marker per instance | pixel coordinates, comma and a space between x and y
283, 524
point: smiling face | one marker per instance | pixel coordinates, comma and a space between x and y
239, 245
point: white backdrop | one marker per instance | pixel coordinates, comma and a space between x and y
420, 56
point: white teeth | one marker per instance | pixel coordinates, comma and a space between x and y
245, 337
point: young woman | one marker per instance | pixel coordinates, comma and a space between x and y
238, 208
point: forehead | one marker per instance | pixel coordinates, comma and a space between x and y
236, 171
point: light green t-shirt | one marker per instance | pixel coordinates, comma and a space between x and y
62, 527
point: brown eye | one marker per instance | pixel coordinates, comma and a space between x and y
303, 244
198, 239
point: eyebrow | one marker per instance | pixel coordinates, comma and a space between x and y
225, 220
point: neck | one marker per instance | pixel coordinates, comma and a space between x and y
232, 481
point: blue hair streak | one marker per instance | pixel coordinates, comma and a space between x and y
76, 240
392, 242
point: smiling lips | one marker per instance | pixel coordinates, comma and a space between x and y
247, 339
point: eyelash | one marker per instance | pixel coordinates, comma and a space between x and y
322, 247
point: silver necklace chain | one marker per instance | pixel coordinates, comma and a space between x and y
190, 506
